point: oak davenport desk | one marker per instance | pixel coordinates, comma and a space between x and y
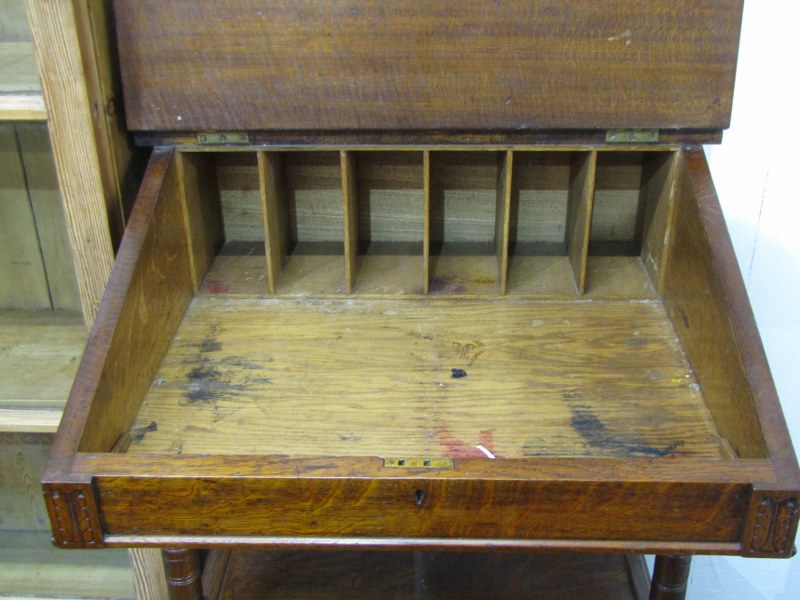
426, 276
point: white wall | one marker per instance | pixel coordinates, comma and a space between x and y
756, 171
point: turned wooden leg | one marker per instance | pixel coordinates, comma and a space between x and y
182, 567
670, 576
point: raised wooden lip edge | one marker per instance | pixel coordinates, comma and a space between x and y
753, 356
393, 543
81, 396
535, 469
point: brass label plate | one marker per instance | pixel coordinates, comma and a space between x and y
221, 138
418, 463
631, 136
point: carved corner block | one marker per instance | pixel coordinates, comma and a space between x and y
771, 525
74, 516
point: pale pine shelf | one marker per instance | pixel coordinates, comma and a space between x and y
20, 92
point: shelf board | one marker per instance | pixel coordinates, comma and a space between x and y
22, 107
299, 575
20, 92
24, 420
39, 355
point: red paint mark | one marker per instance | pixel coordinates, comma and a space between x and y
218, 287
456, 448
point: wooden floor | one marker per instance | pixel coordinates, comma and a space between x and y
436, 377
320, 575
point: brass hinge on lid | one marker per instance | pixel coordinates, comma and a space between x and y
631, 136
220, 138
418, 463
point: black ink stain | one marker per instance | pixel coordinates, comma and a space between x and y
204, 373
205, 385
210, 345
140, 432
241, 362
211, 382
596, 434
458, 373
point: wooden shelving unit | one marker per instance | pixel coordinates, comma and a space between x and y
42, 332
43, 329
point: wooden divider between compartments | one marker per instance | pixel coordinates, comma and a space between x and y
201, 211
579, 214
659, 173
502, 217
426, 230
272, 183
350, 212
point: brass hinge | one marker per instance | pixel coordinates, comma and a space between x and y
631, 136
418, 463
222, 138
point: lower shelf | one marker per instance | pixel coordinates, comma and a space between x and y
31, 567
356, 575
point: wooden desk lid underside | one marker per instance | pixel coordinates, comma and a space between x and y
409, 65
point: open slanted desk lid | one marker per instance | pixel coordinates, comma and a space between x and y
428, 66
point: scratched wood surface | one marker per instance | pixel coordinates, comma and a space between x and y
432, 377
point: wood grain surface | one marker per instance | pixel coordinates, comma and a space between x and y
22, 273
22, 460
411, 66
39, 355
696, 304
92, 208
453, 510
424, 379
580, 215
47, 207
156, 288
